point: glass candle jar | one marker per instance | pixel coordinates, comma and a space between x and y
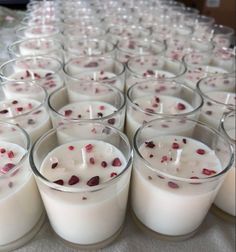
97, 185
177, 173
19, 223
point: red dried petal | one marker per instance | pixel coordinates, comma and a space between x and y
175, 146
92, 160
93, 181
208, 172
73, 180
116, 162
200, 151
59, 182
88, 147
54, 165
150, 144
7, 167
71, 147
181, 106
68, 112
113, 174
10, 154
111, 121
173, 185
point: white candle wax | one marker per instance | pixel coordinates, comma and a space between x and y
35, 123
45, 78
172, 207
92, 110
212, 112
16, 191
149, 105
77, 217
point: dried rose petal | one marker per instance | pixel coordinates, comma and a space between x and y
91, 64
111, 121
200, 151
100, 114
173, 185
4, 111
116, 162
184, 140
7, 167
73, 180
14, 102
59, 182
175, 146
71, 147
2, 150
93, 181
19, 109
104, 164
208, 172
150, 144
88, 147
54, 165
10, 154
113, 174
102, 107
181, 106
151, 155
92, 160
68, 112
31, 121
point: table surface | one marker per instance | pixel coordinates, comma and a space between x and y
215, 235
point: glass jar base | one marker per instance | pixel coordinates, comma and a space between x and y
26, 238
98, 245
159, 235
223, 215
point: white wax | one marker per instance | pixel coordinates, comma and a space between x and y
225, 199
92, 110
16, 191
84, 217
192, 76
212, 112
35, 123
105, 76
165, 205
166, 105
90, 91
45, 78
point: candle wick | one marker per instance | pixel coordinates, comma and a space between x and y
84, 160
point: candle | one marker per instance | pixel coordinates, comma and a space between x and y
44, 71
149, 100
175, 178
148, 66
219, 97
106, 105
30, 114
102, 69
225, 199
127, 48
39, 46
18, 222
96, 173
87, 46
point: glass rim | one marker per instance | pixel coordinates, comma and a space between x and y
41, 103
11, 48
69, 27
204, 94
230, 31
165, 114
133, 27
73, 77
222, 126
25, 21
67, 189
30, 57
136, 74
25, 156
181, 179
119, 109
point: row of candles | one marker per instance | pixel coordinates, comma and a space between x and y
81, 75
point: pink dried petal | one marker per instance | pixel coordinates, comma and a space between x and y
7, 167
116, 162
102, 107
181, 106
68, 112
175, 146
173, 185
113, 174
2, 150
93, 181
10, 154
71, 147
88, 147
208, 172
73, 180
